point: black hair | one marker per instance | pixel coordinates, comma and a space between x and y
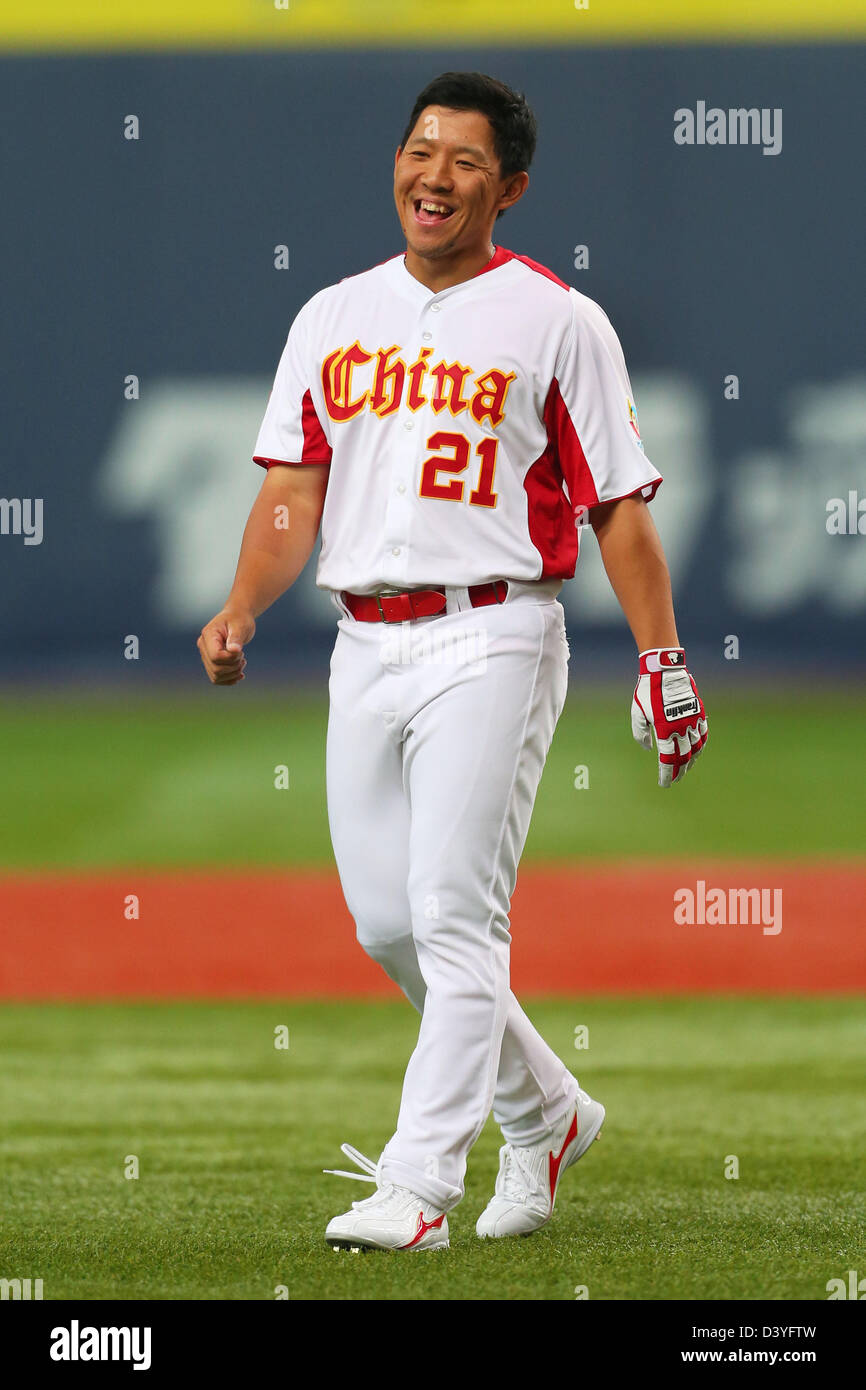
514, 126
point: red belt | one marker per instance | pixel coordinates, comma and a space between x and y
417, 603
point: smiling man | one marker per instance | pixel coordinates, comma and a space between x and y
450, 184
451, 418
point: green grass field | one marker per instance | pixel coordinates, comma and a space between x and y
231, 1135
154, 782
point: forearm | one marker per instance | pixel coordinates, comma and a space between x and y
635, 564
278, 540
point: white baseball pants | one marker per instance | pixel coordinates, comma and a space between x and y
437, 737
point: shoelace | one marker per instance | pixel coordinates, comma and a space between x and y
511, 1186
369, 1168
389, 1196
388, 1200
516, 1167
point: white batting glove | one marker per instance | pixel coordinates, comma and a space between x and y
666, 703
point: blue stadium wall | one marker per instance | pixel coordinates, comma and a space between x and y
154, 258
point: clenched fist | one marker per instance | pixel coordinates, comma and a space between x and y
221, 646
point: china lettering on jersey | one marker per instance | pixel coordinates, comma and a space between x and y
449, 385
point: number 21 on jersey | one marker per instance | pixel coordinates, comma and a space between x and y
455, 462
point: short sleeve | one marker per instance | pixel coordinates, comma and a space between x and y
591, 415
291, 431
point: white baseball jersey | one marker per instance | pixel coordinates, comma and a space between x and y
467, 430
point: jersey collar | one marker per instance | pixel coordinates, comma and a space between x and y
499, 257
422, 292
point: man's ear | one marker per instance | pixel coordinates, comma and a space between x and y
513, 191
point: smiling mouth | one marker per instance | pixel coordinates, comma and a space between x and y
429, 212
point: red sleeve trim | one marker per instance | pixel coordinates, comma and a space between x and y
648, 491
288, 463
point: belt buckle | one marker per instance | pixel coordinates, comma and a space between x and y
386, 593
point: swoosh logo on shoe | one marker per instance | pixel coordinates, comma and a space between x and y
423, 1228
553, 1164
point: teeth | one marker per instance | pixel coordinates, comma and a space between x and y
433, 207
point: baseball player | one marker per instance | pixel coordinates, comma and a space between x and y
451, 418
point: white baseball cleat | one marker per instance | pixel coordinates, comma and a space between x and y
393, 1218
528, 1177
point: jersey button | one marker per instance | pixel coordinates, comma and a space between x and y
401, 487
434, 308
427, 336
396, 550
408, 424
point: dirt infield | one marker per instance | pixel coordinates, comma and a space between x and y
575, 931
